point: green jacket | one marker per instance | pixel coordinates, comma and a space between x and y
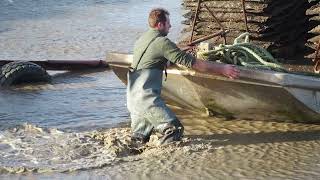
159, 52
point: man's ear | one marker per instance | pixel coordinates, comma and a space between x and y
159, 25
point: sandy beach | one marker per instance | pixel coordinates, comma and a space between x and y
77, 127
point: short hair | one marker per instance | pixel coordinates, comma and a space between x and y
157, 15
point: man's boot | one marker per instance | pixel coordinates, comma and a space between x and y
172, 131
139, 138
138, 142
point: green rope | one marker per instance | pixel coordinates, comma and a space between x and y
243, 53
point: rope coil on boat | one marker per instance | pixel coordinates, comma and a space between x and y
243, 53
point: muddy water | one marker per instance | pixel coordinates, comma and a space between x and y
62, 130
211, 149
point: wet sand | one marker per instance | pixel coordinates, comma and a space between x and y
238, 149
212, 148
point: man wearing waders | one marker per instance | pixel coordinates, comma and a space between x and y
151, 53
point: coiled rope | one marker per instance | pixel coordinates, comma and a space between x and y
243, 53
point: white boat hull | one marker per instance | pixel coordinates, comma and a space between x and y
257, 94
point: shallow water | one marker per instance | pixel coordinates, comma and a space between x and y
73, 101
211, 149
69, 29
61, 130
76, 30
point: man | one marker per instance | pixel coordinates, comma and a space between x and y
151, 53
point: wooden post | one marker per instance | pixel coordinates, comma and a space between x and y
195, 19
245, 14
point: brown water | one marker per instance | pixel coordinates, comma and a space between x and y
61, 130
211, 149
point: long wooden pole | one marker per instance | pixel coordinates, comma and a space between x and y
207, 37
195, 20
245, 14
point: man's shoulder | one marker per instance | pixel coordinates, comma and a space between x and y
164, 40
144, 37
141, 40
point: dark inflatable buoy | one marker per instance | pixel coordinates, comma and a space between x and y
19, 72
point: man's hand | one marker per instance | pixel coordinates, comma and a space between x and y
227, 70
230, 71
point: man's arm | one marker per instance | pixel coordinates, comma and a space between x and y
227, 70
172, 53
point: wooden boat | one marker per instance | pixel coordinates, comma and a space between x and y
257, 94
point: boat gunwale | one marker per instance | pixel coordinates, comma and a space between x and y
262, 77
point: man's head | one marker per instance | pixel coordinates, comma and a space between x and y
159, 19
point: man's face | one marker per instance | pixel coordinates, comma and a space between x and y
165, 27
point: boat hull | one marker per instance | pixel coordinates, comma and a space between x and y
257, 95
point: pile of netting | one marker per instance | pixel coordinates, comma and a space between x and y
280, 26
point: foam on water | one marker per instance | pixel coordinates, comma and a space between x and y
211, 148
33, 149
29, 148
